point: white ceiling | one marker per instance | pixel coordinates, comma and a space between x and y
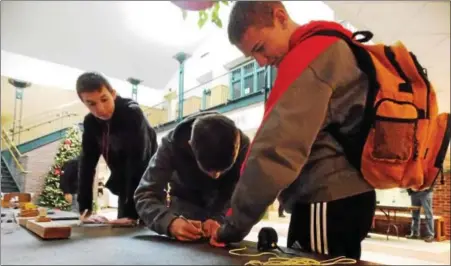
120, 39
423, 26
139, 39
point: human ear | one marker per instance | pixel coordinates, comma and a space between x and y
280, 17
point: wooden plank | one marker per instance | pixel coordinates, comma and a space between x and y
23, 220
49, 230
22, 197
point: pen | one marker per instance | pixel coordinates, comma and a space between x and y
185, 219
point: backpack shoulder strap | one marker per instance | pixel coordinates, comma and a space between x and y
353, 150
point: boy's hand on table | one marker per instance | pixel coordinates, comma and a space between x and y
124, 222
210, 226
186, 230
96, 219
214, 239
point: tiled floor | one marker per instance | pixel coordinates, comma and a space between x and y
376, 249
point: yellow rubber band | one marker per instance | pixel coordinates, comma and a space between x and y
277, 260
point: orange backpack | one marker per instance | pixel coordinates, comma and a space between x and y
404, 140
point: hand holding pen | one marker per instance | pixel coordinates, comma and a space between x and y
186, 230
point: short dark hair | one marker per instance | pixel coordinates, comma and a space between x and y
92, 81
250, 13
213, 140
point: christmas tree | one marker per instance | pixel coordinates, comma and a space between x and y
70, 147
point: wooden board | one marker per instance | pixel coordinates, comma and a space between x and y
23, 220
28, 213
54, 215
49, 230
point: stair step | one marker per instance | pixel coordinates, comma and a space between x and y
8, 182
9, 190
9, 186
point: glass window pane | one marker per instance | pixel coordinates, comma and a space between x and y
236, 90
249, 68
248, 85
261, 80
236, 74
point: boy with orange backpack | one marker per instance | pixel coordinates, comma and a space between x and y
342, 119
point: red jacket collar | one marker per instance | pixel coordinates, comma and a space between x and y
307, 29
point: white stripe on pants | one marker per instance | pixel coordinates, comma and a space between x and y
318, 227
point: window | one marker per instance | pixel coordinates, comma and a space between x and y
249, 78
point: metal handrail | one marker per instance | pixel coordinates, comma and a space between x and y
46, 113
10, 146
45, 122
7, 140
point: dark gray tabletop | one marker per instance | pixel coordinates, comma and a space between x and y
115, 246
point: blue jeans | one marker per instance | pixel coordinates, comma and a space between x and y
422, 199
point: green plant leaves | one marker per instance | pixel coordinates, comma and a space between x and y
204, 15
215, 15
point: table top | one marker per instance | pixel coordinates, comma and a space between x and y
97, 245
54, 214
398, 208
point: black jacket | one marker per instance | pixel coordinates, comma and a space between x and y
127, 142
193, 194
69, 177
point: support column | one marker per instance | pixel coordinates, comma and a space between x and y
169, 98
19, 87
205, 94
268, 79
135, 83
181, 58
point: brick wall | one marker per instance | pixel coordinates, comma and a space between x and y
38, 163
441, 204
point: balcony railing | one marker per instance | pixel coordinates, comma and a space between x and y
221, 90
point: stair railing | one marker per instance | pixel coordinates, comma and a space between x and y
49, 121
54, 123
34, 125
42, 116
15, 166
15, 153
